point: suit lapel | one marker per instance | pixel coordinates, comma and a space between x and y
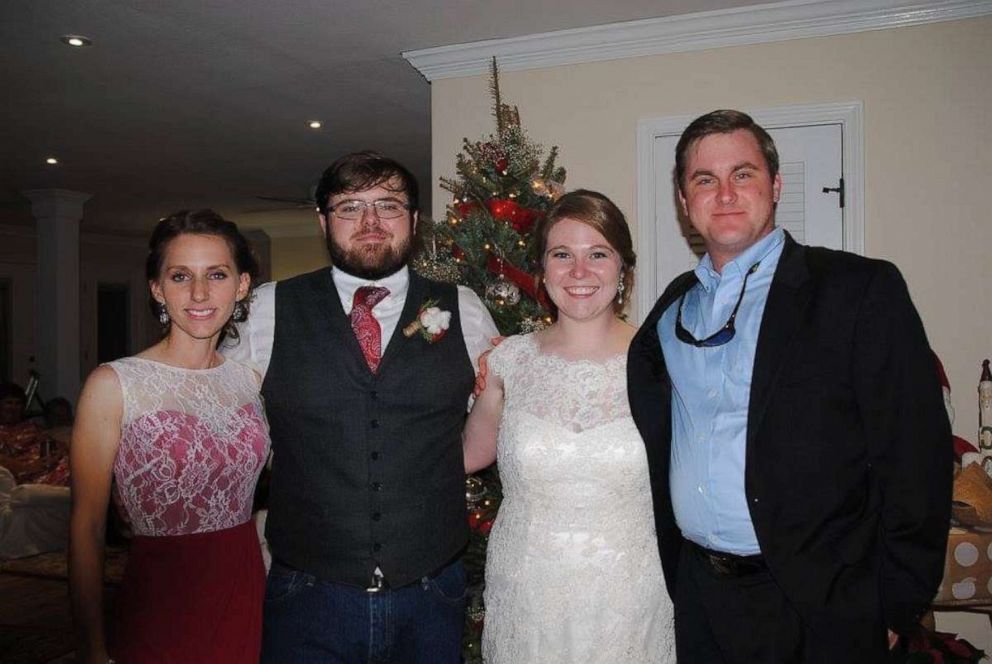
788, 298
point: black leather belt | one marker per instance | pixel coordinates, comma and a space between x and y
728, 564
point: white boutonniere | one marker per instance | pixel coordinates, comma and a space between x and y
431, 322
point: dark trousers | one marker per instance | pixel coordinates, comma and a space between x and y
747, 619
308, 620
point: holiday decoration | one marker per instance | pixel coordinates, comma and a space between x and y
508, 211
928, 647
964, 452
434, 263
502, 293
985, 417
483, 494
505, 185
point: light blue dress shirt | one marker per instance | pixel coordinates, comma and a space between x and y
711, 390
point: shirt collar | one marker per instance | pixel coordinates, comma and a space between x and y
710, 278
398, 283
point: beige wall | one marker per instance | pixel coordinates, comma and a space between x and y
298, 255
928, 147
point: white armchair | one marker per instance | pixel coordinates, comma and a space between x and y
34, 518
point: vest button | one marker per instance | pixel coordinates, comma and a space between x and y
374, 424
374, 456
373, 395
376, 516
377, 547
376, 486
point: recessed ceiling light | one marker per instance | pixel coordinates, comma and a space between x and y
51, 161
76, 40
315, 124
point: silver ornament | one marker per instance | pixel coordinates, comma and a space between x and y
503, 293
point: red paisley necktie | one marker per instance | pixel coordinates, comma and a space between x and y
365, 325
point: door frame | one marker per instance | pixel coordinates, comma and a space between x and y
850, 115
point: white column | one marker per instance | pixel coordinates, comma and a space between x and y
58, 213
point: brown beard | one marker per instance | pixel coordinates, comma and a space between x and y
370, 262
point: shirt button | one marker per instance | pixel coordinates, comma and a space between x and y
700, 489
376, 516
377, 547
376, 486
374, 424
712, 394
373, 395
374, 456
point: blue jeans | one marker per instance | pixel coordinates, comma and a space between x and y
309, 620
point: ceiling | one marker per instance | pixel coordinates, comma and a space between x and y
205, 103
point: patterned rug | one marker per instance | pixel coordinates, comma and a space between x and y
56, 565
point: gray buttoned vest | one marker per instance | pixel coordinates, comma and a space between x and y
367, 468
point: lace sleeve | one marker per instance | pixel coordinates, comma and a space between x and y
503, 356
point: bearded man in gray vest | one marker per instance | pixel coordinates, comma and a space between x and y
367, 370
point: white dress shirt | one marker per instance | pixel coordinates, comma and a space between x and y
257, 333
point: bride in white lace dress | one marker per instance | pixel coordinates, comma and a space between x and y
573, 574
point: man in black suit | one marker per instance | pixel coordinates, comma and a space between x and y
800, 454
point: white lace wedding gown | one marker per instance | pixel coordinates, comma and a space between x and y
573, 574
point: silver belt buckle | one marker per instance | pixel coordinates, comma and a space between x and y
377, 582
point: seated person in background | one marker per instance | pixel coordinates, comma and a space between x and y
58, 414
22, 442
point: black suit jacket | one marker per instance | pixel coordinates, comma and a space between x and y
849, 454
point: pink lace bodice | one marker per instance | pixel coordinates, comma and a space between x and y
193, 443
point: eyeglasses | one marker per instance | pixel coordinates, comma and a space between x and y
721, 336
385, 208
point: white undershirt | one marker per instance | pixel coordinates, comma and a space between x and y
257, 333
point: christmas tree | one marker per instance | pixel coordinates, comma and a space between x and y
505, 185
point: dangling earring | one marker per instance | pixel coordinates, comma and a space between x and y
163, 314
620, 289
240, 313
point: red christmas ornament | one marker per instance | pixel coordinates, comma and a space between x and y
501, 164
486, 526
466, 209
509, 212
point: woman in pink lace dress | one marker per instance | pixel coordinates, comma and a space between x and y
183, 432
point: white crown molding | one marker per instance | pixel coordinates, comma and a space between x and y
757, 24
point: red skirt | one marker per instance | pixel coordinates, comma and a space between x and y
191, 598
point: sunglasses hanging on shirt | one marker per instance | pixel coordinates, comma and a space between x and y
721, 336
